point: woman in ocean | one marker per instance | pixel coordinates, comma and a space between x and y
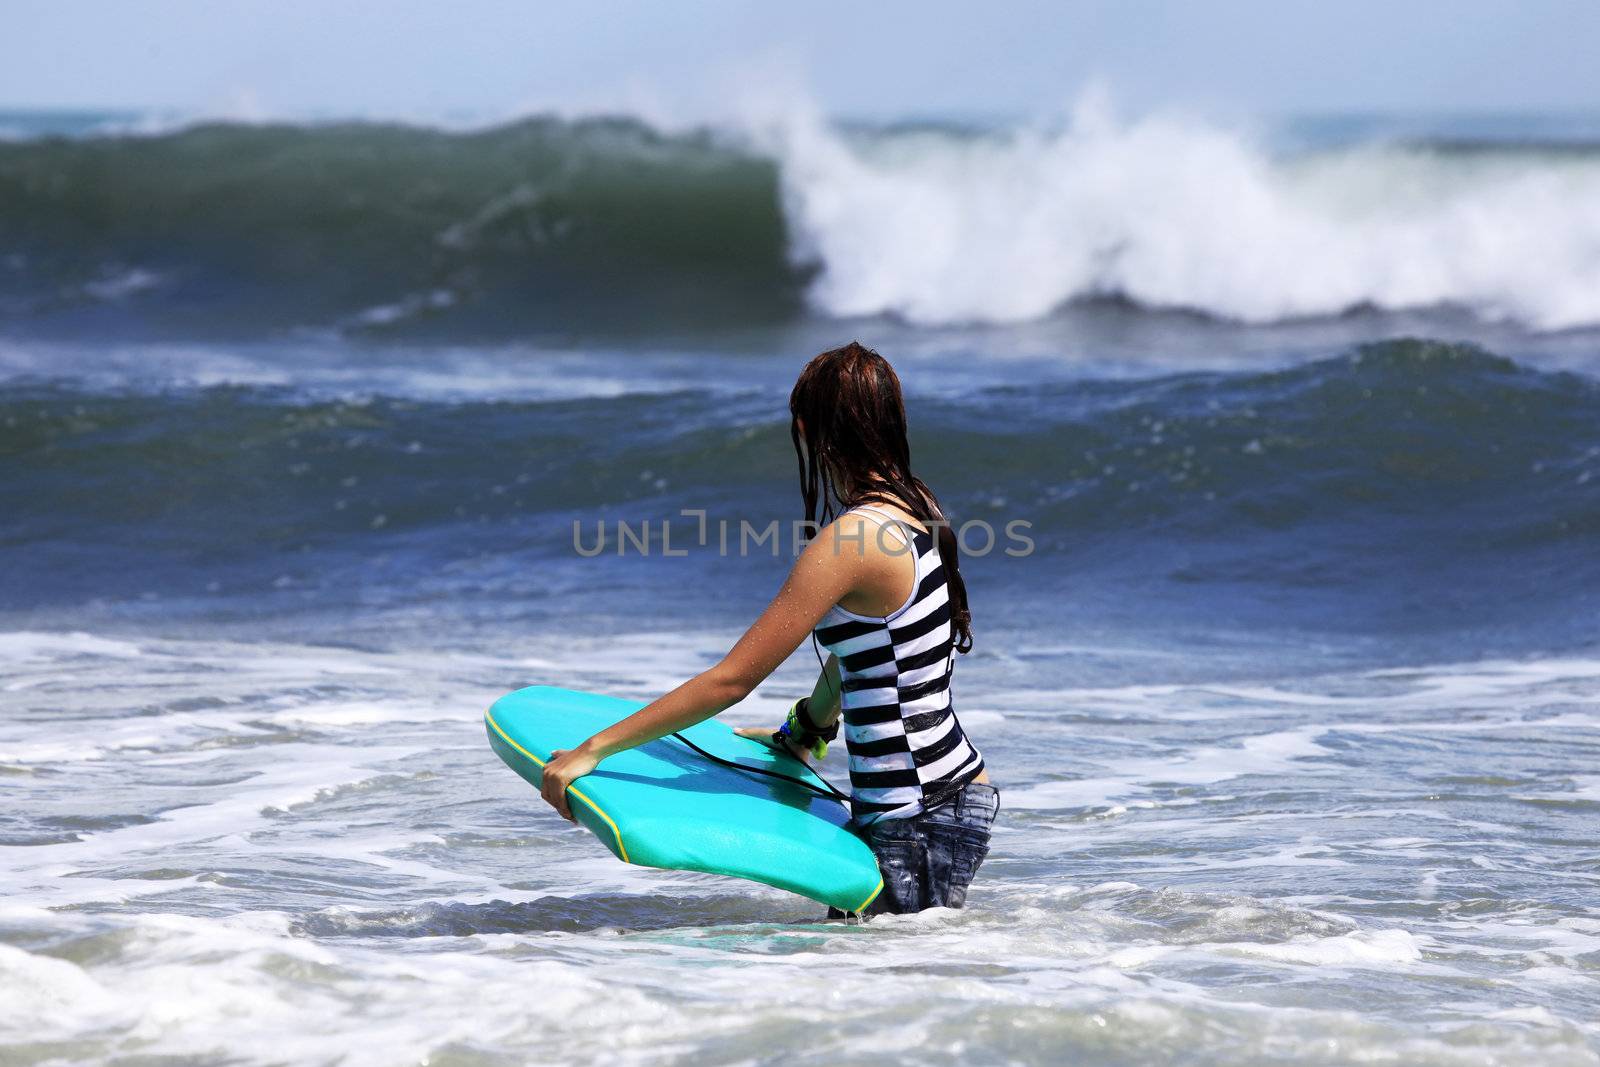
880, 588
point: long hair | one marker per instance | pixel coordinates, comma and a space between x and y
853, 416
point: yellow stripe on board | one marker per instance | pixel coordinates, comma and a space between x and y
861, 907
621, 848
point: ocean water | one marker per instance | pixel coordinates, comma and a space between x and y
1294, 703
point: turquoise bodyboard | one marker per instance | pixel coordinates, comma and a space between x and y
665, 805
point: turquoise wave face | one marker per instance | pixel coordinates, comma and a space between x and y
1408, 487
229, 230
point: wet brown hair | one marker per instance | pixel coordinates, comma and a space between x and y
848, 410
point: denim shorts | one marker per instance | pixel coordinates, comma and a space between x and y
929, 859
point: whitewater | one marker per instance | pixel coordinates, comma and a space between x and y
310, 845
1169, 213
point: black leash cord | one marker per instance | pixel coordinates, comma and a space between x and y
827, 791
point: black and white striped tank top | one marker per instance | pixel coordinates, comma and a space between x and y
907, 749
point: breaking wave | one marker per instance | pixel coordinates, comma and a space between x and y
555, 225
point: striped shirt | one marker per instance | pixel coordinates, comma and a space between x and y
907, 749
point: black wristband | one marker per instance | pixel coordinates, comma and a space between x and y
802, 710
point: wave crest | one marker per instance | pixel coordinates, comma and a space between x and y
1162, 212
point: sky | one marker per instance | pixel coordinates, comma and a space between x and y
695, 59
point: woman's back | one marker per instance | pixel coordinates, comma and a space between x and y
907, 749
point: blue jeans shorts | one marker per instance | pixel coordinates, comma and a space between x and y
929, 859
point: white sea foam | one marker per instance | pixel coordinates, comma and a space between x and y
353, 789
23, 646
510, 372
1375, 948
1175, 212
1269, 753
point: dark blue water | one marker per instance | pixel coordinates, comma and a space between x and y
1432, 494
